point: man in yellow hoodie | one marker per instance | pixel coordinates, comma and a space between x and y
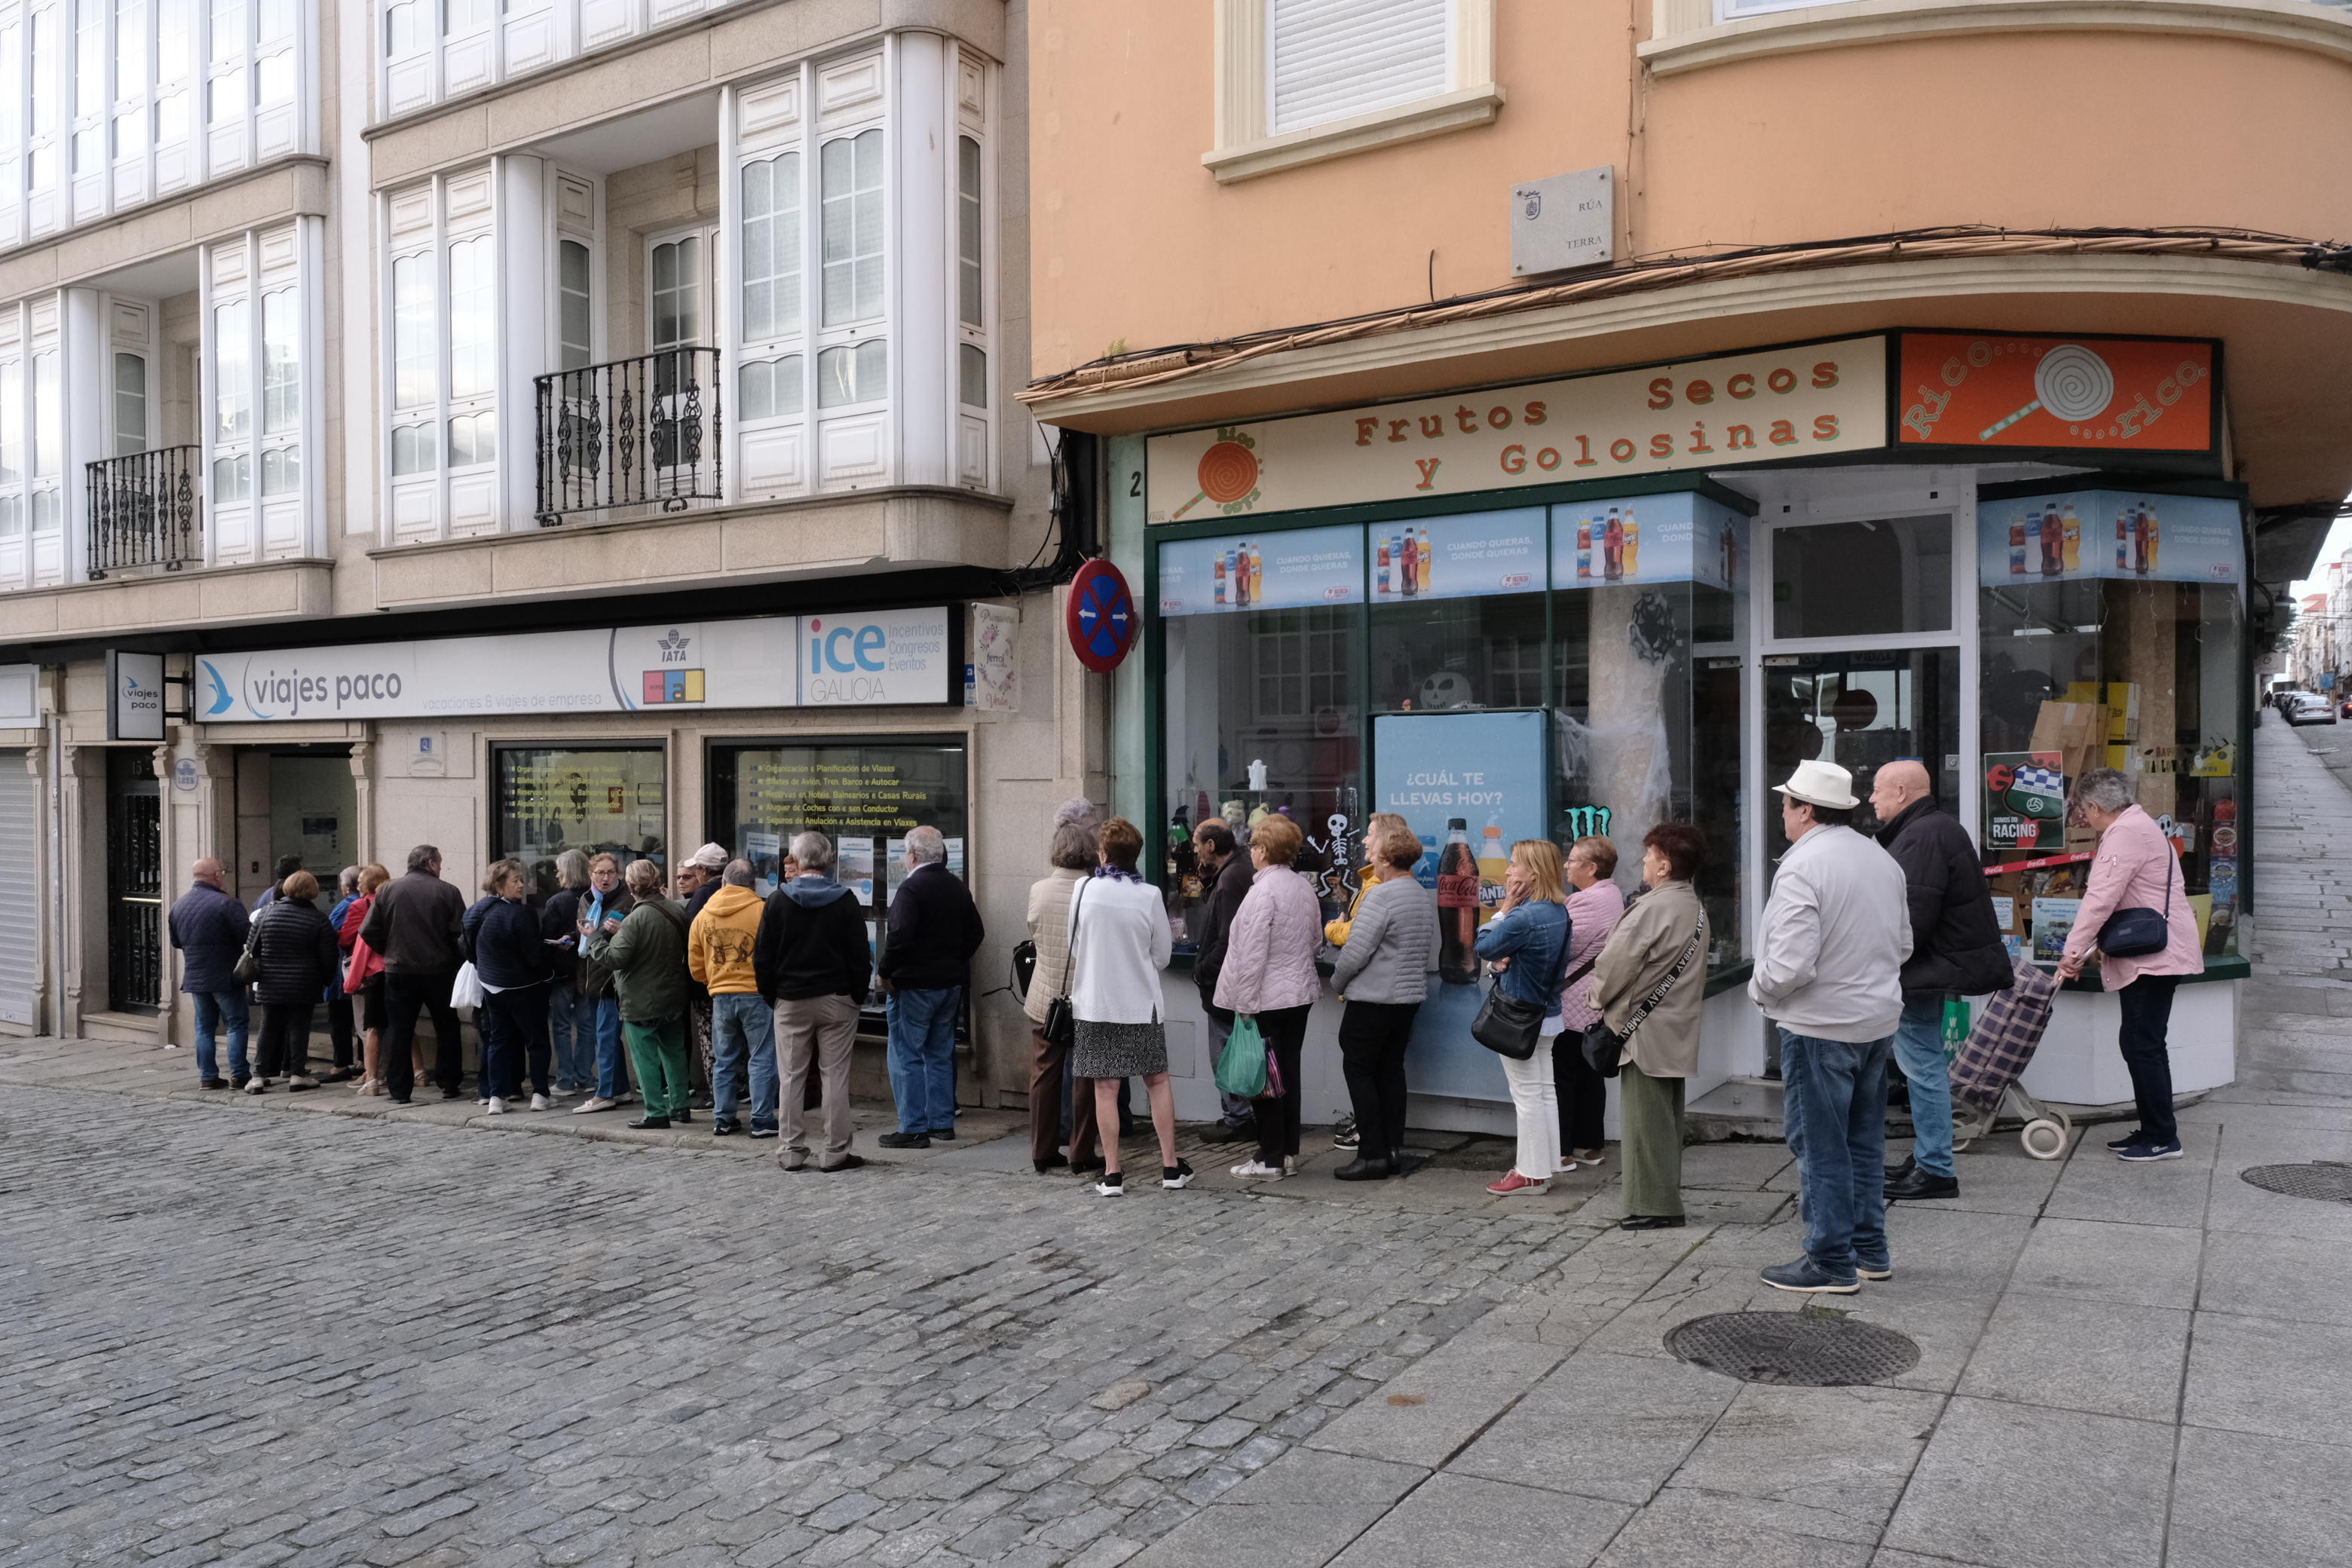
719, 951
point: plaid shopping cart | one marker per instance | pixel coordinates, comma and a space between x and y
1999, 1049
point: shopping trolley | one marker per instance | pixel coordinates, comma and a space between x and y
1985, 1091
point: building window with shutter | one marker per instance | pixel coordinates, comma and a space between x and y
1299, 81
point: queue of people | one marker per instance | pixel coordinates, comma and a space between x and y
602, 990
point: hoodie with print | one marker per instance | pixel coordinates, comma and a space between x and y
719, 949
814, 941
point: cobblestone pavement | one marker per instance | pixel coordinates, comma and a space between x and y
232, 1336
306, 1339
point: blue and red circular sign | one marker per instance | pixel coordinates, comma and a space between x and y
1103, 622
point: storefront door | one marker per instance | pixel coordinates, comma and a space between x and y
134, 882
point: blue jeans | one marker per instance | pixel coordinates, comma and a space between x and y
922, 1058
611, 1080
1919, 1050
1834, 1103
743, 1023
572, 1033
212, 1007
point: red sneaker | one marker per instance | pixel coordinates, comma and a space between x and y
1515, 1182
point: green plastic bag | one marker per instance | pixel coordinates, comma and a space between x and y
1956, 1027
1241, 1066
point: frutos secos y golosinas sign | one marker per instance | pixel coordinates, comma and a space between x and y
868, 659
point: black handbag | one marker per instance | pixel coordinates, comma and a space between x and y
1061, 1014
2137, 932
1604, 1048
1508, 1026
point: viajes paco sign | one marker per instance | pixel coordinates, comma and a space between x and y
889, 658
1810, 401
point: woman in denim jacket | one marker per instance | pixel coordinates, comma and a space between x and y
1526, 943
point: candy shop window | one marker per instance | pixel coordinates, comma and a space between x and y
2129, 658
1264, 639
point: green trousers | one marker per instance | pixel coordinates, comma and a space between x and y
657, 1055
1649, 1110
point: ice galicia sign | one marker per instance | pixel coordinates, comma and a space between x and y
889, 657
1807, 401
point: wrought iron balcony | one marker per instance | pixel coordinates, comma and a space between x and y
630, 433
146, 509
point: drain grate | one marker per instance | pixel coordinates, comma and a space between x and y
1808, 1349
2322, 1179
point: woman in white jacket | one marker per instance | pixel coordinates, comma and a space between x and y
1119, 942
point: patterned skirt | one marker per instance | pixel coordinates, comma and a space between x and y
1118, 1050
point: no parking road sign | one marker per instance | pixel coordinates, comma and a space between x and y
1102, 618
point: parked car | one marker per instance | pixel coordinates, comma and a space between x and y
2309, 708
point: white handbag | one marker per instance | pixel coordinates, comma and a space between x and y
465, 991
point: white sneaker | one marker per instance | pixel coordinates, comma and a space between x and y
302, 1080
540, 1102
255, 1084
1254, 1168
497, 1107
593, 1103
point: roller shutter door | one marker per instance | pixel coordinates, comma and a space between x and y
20, 918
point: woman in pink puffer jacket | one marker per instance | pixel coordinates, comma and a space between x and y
1269, 971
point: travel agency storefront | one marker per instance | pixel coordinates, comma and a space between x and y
643, 740
1597, 604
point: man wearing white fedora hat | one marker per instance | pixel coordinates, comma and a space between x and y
1828, 967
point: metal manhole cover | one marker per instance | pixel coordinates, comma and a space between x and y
2321, 1179
1808, 1349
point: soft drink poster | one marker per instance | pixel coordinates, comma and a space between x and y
1675, 537
2089, 535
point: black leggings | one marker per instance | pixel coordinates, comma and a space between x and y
1372, 1037
285, 1038
1285, 1029
1584, 1093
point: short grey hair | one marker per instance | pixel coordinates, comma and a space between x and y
2106, 789
813, 850
347, 881
926, 846
736, 875
571, 869
1077, 846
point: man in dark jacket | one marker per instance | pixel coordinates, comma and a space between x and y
1955, 951
933, 932
413, 928
1226, 881
209, 927
812, 960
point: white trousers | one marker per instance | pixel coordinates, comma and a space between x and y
1537, 1100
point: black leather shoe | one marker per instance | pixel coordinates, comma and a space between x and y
453, 1092
904, 1140
684, 1118
1896, 1173
1362, 1170
725, 1128
213, 1083
1651, 1222
650, 1124
1052, 1162
1919, 1185
848, 1162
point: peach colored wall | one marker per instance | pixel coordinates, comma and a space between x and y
2075, 130
1135, 243
1134, 239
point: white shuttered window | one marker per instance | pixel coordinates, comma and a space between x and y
1330, 59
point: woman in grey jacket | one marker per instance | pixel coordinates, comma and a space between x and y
1382, 973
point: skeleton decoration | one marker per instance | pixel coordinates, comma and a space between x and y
1337, 880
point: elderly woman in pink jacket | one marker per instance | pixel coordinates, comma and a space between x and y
2136, 868
1269, 972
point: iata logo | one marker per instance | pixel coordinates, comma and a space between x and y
670, 684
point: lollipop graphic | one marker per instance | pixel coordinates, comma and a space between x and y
1228, 471
2070, 382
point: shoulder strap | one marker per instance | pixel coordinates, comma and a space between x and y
673, 916
1070, 955
1666, 983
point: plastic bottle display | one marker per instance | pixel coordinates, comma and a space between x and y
1380, 568
1613, 548
1426, 556
2149, 513
1585, 549
1457, 906
2139, 539
2073, 526
1493, 866
1217, 574
2123, 540
1633, 545
2016, 544
2053, 543
1410, 564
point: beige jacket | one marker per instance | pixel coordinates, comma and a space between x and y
1656, 929
1049, 928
